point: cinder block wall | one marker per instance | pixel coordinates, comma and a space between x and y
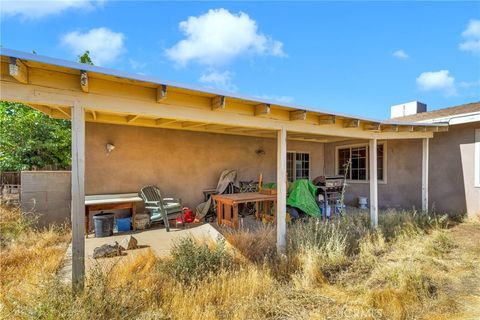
47, 193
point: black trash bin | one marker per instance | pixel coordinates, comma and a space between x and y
103, 224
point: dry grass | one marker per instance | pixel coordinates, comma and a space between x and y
27, 255
410, 268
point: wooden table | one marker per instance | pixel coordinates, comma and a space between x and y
227, 206
110, 202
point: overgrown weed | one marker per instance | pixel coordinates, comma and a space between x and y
336, 269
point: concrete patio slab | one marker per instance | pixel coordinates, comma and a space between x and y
156, 239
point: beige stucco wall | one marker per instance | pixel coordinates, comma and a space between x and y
403, 185
452, 186
451, 173
181, 163
184, 163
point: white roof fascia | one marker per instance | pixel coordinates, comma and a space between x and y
455, 119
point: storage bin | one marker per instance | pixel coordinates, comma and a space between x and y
123, 224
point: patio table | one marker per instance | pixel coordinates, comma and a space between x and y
110, 202
227, 206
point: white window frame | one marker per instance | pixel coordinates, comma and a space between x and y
477, 158
309, 163
384, 143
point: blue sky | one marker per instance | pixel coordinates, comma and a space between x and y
351, 57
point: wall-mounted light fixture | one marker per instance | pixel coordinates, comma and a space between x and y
110, 147
260, 151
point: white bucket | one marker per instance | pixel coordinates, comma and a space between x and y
362, 202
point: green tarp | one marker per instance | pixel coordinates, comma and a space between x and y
302, 196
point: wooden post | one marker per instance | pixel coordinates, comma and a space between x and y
425, 174
281, 190
78, 197
372, 149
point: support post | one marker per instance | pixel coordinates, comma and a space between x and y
78, 197
425, 145
281, 190
372, 149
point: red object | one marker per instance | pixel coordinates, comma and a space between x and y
188, 215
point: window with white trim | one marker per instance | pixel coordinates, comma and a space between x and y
357, 156
298, 166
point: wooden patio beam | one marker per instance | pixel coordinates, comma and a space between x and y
163, 122
259, 131
372, 127
218, 103
235, 129
405, 128
132, 118
18, 70
162, 93
68, 115
442, 129
123, 104
298, 115
389, 128
351, 123
210, 126
192, 124
262, 109
84, 81
419, 129
326, 119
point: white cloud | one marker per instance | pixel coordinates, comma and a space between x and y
471, 37
437, 80
220, 80
136, 65
219, 36
281, 99
469, 84
400, 54
104, 45
35, 9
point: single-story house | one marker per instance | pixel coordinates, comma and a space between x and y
454, 162
181, 137
454, 166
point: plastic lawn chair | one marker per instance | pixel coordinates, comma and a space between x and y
161, 208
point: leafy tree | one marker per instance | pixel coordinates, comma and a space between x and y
30, 139
85, 58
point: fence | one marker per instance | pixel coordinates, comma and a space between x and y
48, 194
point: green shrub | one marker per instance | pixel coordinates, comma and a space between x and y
192, 260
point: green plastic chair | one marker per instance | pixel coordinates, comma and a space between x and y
161, 208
